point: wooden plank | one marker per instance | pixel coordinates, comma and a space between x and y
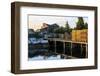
62, 40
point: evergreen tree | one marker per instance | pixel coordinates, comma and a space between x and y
67, 27
80, 23
86, 25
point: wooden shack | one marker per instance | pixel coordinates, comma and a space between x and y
80, 35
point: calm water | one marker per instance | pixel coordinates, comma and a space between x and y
45, 52
45, 57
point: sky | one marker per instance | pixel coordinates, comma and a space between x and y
35, 21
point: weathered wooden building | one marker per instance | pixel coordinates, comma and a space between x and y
80, 35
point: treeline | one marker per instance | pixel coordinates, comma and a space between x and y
55, 28
80, 24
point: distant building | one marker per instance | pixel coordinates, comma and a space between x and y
44, 26
44, 30
52, 27
67, 36
47, 30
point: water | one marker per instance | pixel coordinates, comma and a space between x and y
57, 57
44, 54
49, 52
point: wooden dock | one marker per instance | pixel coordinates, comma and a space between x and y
64, 42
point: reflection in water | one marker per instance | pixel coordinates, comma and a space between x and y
45, 57
49, 52
43, 52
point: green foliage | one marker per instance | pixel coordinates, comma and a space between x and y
86, 26
67, 25
67, 28
60, 30
80, 23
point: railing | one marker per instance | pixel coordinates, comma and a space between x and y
64, 40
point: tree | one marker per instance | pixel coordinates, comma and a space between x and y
60, 30
80, 23
67, 25
86, 25
67, 28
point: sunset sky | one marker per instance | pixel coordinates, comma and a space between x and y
35, 21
